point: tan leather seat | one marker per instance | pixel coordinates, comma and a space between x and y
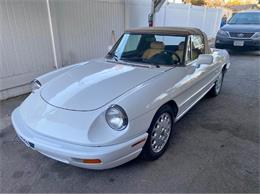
155, 48
195, 53
179, 52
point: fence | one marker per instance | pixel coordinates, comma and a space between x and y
39, 36
207, 19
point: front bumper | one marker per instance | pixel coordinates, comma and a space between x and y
110, 156
228, 43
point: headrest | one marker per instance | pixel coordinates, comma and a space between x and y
181, 46
157, 45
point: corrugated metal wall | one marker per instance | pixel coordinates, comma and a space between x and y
85, 27
82, 29
25, 43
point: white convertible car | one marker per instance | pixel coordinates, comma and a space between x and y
105, 112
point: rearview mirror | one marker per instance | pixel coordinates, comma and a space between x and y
205, 59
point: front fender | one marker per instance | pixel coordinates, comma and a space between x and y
142, 102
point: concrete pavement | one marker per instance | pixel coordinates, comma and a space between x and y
215, 149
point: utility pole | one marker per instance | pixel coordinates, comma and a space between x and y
156, 5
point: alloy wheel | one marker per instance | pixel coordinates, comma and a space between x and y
161, 132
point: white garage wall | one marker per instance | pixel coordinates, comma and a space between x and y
82, 30
136, 13
25, 43
84, 27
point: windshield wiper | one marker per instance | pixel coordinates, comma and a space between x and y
129, 63
141, 64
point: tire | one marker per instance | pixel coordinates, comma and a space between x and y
216, 89
158, 135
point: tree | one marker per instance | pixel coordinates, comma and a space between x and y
219, 3
195, 2
214, 3
241, 2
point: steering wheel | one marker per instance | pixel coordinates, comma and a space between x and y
178, 58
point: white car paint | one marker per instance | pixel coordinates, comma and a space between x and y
65, 118
88, 82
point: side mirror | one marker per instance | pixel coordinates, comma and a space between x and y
205, 59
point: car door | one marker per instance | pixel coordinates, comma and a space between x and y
199, 78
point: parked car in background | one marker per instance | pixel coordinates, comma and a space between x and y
105, 112
241, 32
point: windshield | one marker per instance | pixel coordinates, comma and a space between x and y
245, 18
149, 49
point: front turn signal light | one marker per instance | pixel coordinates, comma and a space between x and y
91, 161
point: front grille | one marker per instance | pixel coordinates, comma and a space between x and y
241, 35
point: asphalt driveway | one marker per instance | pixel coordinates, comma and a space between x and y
215, 149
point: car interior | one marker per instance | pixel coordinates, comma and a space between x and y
156, 49
151, 49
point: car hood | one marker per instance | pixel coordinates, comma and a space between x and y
241, 28
93, 85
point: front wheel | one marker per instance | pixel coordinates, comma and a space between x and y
215, 91
159, 133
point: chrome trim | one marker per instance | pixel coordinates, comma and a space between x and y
247, 38
125, 117
161, 132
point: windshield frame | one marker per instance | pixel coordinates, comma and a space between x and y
112, 51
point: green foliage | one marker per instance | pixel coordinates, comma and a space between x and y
195, 2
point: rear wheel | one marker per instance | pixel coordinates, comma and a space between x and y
215, 91
159, 134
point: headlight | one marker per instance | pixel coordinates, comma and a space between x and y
222, 33
256, 35
35, 84
116, 118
